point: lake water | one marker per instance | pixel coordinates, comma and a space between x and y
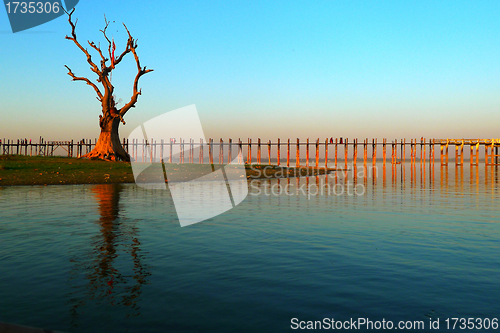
405, 245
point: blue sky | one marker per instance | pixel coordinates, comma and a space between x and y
265, 69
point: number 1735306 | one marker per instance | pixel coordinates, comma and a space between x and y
32, 7
472, 323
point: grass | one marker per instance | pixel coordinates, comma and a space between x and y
39, 170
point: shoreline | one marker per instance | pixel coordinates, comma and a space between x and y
18, 170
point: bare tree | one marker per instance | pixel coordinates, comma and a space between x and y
108, 146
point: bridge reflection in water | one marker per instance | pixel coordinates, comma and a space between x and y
368, 180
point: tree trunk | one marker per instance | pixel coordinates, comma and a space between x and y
108, 146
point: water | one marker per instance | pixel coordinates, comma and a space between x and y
416, 245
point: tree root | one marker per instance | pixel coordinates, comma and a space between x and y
107, 156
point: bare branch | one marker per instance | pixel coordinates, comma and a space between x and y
132, 44
98, 49
106, 37
76, 78
93, 66
127, 50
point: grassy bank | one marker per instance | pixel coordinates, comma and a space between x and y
38, 170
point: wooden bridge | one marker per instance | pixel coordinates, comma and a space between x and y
328, 152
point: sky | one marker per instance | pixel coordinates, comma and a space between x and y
267, 69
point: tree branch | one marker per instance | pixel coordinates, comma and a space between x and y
132, 45
93, 66
105, 36
120, 57
76, 78
98, 49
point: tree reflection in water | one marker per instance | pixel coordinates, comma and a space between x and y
113, 271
